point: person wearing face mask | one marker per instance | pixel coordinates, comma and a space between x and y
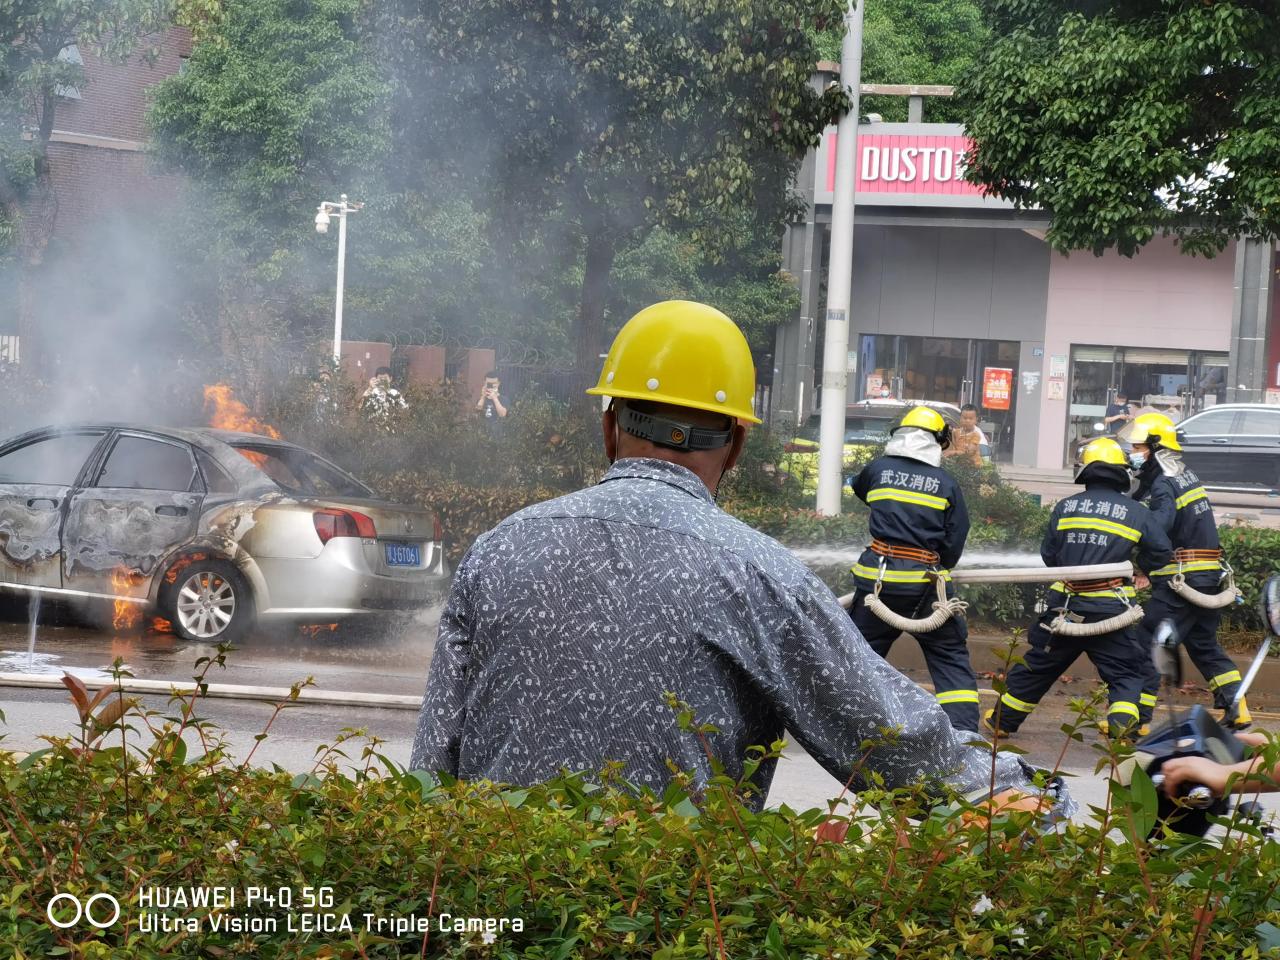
1097, 618
570, 623
1192, 589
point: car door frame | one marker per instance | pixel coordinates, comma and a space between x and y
55, 561
114, 572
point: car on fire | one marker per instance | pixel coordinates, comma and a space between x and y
209, 528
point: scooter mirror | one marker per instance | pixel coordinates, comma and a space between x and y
1271, 604
1165, 653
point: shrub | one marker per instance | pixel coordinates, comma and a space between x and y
591, 871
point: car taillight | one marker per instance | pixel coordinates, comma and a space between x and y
437, 529
342, 523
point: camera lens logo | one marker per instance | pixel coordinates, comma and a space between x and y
88, 910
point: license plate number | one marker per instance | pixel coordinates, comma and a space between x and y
403, 554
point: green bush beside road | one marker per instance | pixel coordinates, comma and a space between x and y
589, 871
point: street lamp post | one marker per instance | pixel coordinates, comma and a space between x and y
326, 211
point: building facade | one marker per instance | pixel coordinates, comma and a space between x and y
958, 298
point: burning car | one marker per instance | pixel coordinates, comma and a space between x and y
210, 528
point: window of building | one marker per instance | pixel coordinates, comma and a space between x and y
69, 54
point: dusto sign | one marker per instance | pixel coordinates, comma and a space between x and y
908, 164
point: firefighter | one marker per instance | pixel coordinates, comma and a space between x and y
1191, 590
918, 525
1093, 617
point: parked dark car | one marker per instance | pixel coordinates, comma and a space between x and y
211, 528
1234, 446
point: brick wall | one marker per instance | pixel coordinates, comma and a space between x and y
94, 178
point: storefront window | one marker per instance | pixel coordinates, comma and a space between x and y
947, 370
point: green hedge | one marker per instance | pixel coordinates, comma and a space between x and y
591, 872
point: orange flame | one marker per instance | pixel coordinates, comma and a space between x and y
228, 413
161, 625
127, 615
313, 630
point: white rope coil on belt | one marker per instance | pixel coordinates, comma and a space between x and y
1062, 626
1210, 601
944, 608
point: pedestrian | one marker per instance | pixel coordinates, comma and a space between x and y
918, 524
1095, 617
490, 404
968, 443
1191, 590
1118, 413
567, 623
382, 403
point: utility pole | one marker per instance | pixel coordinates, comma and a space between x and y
324, 214
835, 373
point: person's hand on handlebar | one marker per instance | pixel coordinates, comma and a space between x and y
1201, 770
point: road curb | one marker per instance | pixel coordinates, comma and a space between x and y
225, 691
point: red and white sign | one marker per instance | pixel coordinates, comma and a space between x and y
997, 387
907, 163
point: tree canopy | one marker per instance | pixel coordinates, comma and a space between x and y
915, 41
1130, 118
586, 126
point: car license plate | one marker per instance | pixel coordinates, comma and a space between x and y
403, 554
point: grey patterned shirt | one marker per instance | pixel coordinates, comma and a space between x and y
568, 621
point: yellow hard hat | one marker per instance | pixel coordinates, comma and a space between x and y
927, 418
684, 353
1155, 427
1103, 450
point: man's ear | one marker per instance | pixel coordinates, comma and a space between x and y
736, 445
609, 424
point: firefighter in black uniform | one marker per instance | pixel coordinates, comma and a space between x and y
918, 525
1096, 617
1180, 505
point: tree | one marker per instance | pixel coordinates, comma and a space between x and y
584, 126
1131, 118
915, 41
33, 69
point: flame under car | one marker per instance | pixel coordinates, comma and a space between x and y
208, 529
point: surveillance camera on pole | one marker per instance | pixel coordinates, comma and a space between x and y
324, 213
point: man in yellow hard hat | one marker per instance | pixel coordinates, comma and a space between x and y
918, 524
1186, 590
568, 623
1094, 617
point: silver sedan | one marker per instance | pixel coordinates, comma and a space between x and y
208, 528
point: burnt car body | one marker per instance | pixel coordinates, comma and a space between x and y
211, 528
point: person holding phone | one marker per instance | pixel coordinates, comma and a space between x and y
490, 404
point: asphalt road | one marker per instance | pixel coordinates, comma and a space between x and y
353, 659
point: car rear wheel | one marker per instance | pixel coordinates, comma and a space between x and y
208, 601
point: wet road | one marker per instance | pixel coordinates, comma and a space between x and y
356, 658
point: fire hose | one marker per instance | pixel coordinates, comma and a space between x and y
1063, 626
979, 575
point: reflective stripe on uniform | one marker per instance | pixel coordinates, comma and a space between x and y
1126, 590
899, 576
1191, 496
1222, 679
908, 496
1020, 705
1096, 523
957, 696
1147, 699
1125, 707
1195, 565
